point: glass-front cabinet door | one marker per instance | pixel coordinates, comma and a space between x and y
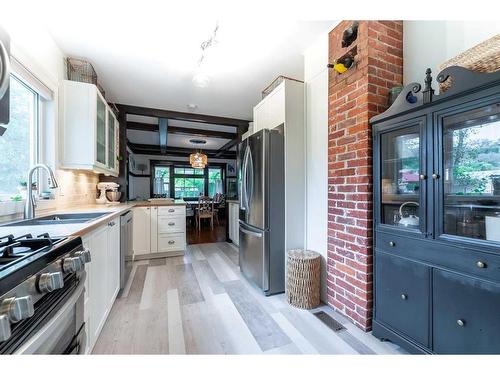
402, 178
111, 140
101, 131
469, 187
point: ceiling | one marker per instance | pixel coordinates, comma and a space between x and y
151, 63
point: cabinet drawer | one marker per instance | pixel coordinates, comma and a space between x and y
465, 312
171, 242
167, 224
402, 296
172, 211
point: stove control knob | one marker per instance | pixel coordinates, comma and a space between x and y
4, 328
50, 281
84, 255
72, 264
17, 308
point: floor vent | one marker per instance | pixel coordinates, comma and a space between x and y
329, 321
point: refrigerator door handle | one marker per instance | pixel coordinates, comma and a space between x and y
244, 182
249, 190
249, 232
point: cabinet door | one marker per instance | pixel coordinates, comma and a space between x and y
231, 221
101, 130
142, 234
117, 146
236, 230
468, 178
465, 315
258, 117
276, 107
87, 309
402, 296
154, 229
98, 292
113, 258
111, 149
401, 177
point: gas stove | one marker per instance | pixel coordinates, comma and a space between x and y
39, 276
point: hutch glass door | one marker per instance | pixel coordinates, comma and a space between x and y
400, 178
101, 131
471, 173
111, 140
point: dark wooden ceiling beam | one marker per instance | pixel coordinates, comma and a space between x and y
183, 116
176, 151
228, 146
180, 130
163, 126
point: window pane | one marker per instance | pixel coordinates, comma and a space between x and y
161, 187
18, 145
189, 187
214, 181
189, 171
471, 180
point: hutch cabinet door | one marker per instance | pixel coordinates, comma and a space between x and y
466, 315
400, 177
402, 296
468, 179
111, 140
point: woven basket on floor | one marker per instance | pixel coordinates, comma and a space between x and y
303, 278
485, 58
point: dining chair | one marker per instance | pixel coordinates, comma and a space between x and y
220, 200
205, 211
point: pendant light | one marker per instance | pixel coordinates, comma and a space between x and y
198, 160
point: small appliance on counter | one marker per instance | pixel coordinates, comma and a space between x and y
108, 193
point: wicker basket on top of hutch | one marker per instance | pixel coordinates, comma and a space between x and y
437, 216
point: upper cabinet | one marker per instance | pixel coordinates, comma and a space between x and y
89, 130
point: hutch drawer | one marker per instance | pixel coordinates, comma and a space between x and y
402, 296
465, 314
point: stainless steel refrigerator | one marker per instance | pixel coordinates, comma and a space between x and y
261, 182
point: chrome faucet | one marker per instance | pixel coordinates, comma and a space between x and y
29, 209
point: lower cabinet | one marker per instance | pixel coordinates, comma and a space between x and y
402, 302
159, 229
233, 219
466, 314
103, 277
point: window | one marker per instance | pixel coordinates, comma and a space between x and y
19, 144
161, 187
214, 181
189, 182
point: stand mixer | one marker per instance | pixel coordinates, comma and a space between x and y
108, 193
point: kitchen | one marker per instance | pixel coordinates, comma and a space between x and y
147, 216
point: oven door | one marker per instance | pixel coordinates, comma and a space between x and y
64, 333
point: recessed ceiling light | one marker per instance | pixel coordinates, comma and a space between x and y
192, 107
201, 80
197, 141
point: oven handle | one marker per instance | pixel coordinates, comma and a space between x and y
46, 331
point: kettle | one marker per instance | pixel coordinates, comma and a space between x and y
408, 221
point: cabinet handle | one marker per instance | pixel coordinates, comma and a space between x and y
392, 243
171, 210
111, 224
171, 242
435, 176
460, 322
481, 264
404, 297
423, 177
147, 208
154, 208
171, 224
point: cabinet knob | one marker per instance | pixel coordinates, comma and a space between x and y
481, 264
435, 176
404, 297
460, 322
423, 177
171, 242
392, 243
171, 210
171, 223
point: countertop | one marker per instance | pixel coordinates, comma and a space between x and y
63, 230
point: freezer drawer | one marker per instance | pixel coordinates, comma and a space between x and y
254, 261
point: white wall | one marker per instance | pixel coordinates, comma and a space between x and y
316, 86
427, 44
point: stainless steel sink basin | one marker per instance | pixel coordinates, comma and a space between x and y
73, 218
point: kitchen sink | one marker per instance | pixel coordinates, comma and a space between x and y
73, 218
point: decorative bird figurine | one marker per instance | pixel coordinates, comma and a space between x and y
350, 34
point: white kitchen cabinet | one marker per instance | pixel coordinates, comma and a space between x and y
103, 277
285, 105
142, 230
88, 129
171, 229
233, 213
153, 232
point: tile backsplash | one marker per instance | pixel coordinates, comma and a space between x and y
76, 188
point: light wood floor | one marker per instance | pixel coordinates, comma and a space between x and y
201, 304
